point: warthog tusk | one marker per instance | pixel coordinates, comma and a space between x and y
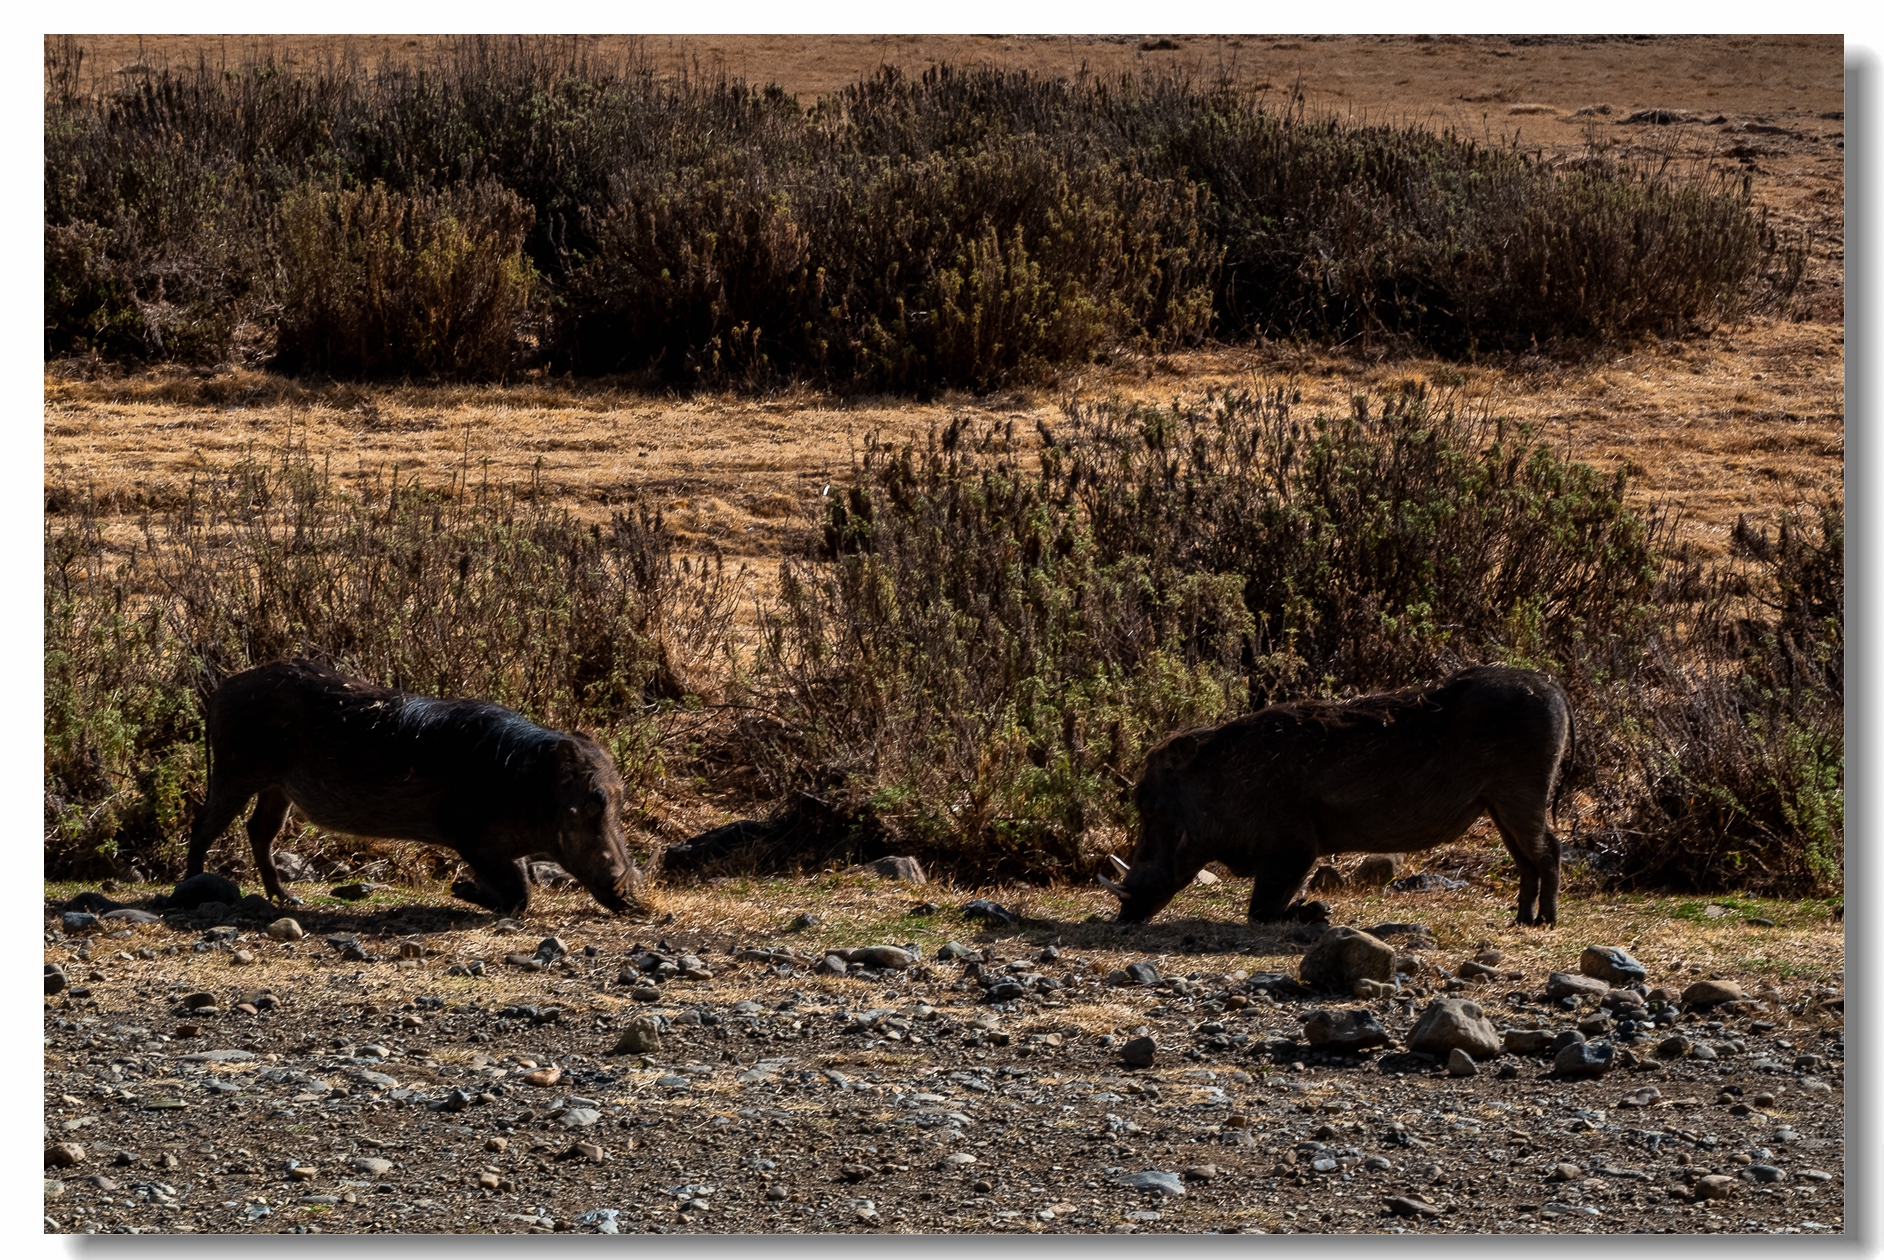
1113, 888
1116, 861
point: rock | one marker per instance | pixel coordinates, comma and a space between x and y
241, 958
55, 979
1400, 1205
1376, 870
1760, 922
202, 889
804, 922
1425, 881
643, 1036
65, 1155
1326, 879
1612, 965
1455, 1023
1528, 1040
1565, 1172
1474, 970
982, 908
1714, 1186
1585, 1058
1139, 1052
1207, 878
130, 915
198, 1001
1562, 985
579, 1117
78, 921
1418, 935
1167, 1183
1344, 1030
885, 956
856, 1172
543, 1078
1369, 990
1763, 1173
1673, 1047
645, 993
285, 930
1489, 957
355, 892
1459, 1063
951, 951
372, 1165
1142, 973
1200, 1172
550, 875
293, 868
1705, 993
550, 948
1344, 955
906, 869
831, 965
497, 1145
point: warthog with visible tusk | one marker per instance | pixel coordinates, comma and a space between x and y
1269, 793
367, 761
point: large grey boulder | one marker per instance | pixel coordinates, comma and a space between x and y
1344, 955
1450, 1024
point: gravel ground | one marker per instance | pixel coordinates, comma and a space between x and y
204, 1076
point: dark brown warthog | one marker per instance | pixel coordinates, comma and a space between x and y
366, 761
1268, 794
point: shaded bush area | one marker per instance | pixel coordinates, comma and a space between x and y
981, 651
444, 591
515, 203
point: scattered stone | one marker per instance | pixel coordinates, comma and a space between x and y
1455, 1023
1459, 1063
1761, 922
1139, 1052
1528, 1040
804, 922
579, 1117
55, 979
1585, 1058
1370, 990
1673, 1047
1166, 1183
130, 915
952, 951
642, 1036
543, 1078
372, 1165
1207, 878
645, 993
1344, 955
78, 921
1376, 870
1200, 1172
285, 930
202, 889
241, 958
1344, 1030
1703, 994
1425, 881
831, 965
906, 869
1400, 1205
1714, 1186
1647, 1096
65, 1155
982, 908
1474, 970
1563, 985
497, 1145
355, 892
856, 1172
1763, 1173
1326, 879
1611, 965
1565, 1172
1142, 973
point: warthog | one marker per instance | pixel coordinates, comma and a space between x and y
368, 761
1269, 793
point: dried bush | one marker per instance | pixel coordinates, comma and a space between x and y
961, 227
450, 590
384, 284
979, 653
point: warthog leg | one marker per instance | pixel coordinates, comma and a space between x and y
1279, 876
271, 810
1525, 828
219, 809
501, 885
